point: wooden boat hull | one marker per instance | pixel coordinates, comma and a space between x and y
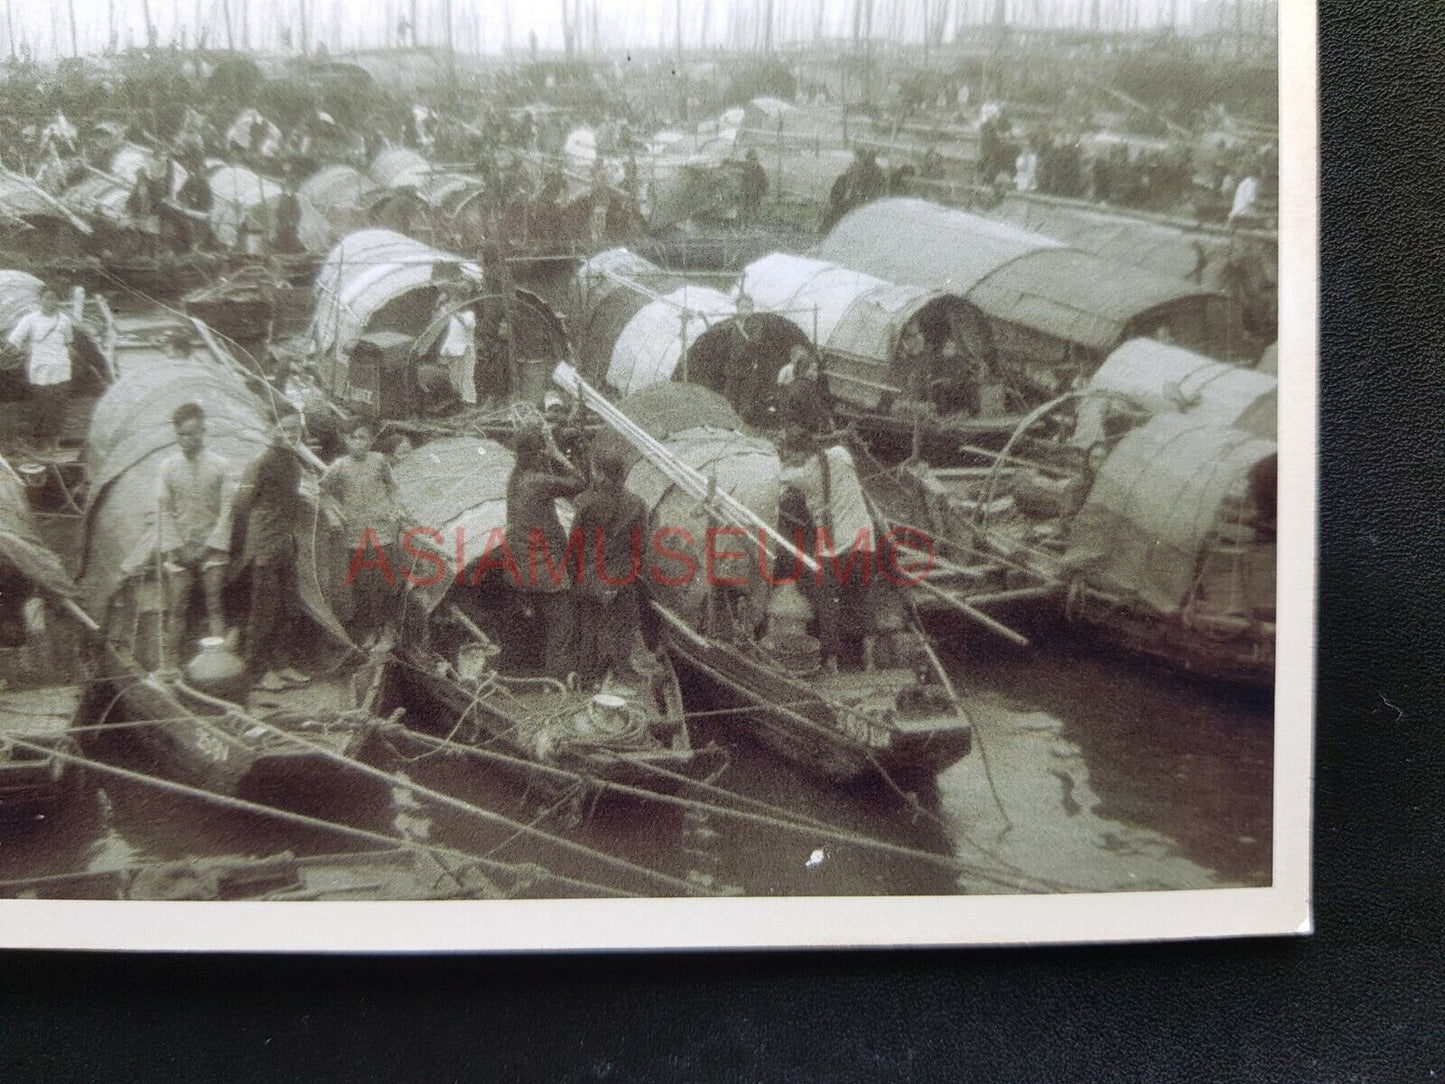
32, 782
810, 732
1242, 655
236, 759
641, 768
400, 874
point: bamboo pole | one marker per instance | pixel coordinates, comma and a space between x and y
688, 479
302, 819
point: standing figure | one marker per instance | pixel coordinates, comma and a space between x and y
754, 188
47, 335
457, 353
187, 218
193, 528
532, 524
1245, 196
269, 503
1026, 168
842, 589
740, 379
365, 491
802, 401
611, 520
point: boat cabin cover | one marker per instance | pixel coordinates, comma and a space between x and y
1172, 491
1029, 286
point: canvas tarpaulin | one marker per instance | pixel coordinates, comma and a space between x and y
850, 315
613, 286
1156, 247
98, 197
244, 203
131, 437
653, 343
1158, 377
1154, 504
399, 167
364, 273
458, 484
20, 541
338, 193
1008, 273
745, 467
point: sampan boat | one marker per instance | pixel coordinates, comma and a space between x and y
35, 708
754, 646
465, 662
281, 746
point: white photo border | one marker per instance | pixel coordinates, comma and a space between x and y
882, 921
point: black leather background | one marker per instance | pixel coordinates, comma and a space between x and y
1364, 1000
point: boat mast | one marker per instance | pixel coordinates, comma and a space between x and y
451, 49
226, 14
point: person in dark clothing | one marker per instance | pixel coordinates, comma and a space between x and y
268, 503
862, 182
287, 237
868, 180
185, 220
754, 188
802, 401
612, 521
532, 524
740, 377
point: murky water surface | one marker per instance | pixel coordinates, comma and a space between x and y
1090, 772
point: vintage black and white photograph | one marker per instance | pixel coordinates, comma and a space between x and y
667, 450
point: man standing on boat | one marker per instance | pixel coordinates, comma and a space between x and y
193, 495
532, 523
47, 335
754, 188
268, 503
740, 380
611, 521
802, 401
844, 544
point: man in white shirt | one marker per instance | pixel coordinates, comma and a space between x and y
194, 493
1244, 199
46, 334
458, 353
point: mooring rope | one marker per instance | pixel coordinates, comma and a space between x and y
303, 819
452, 801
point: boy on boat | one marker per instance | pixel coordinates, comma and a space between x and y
268, 502
365, 492
194, 491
